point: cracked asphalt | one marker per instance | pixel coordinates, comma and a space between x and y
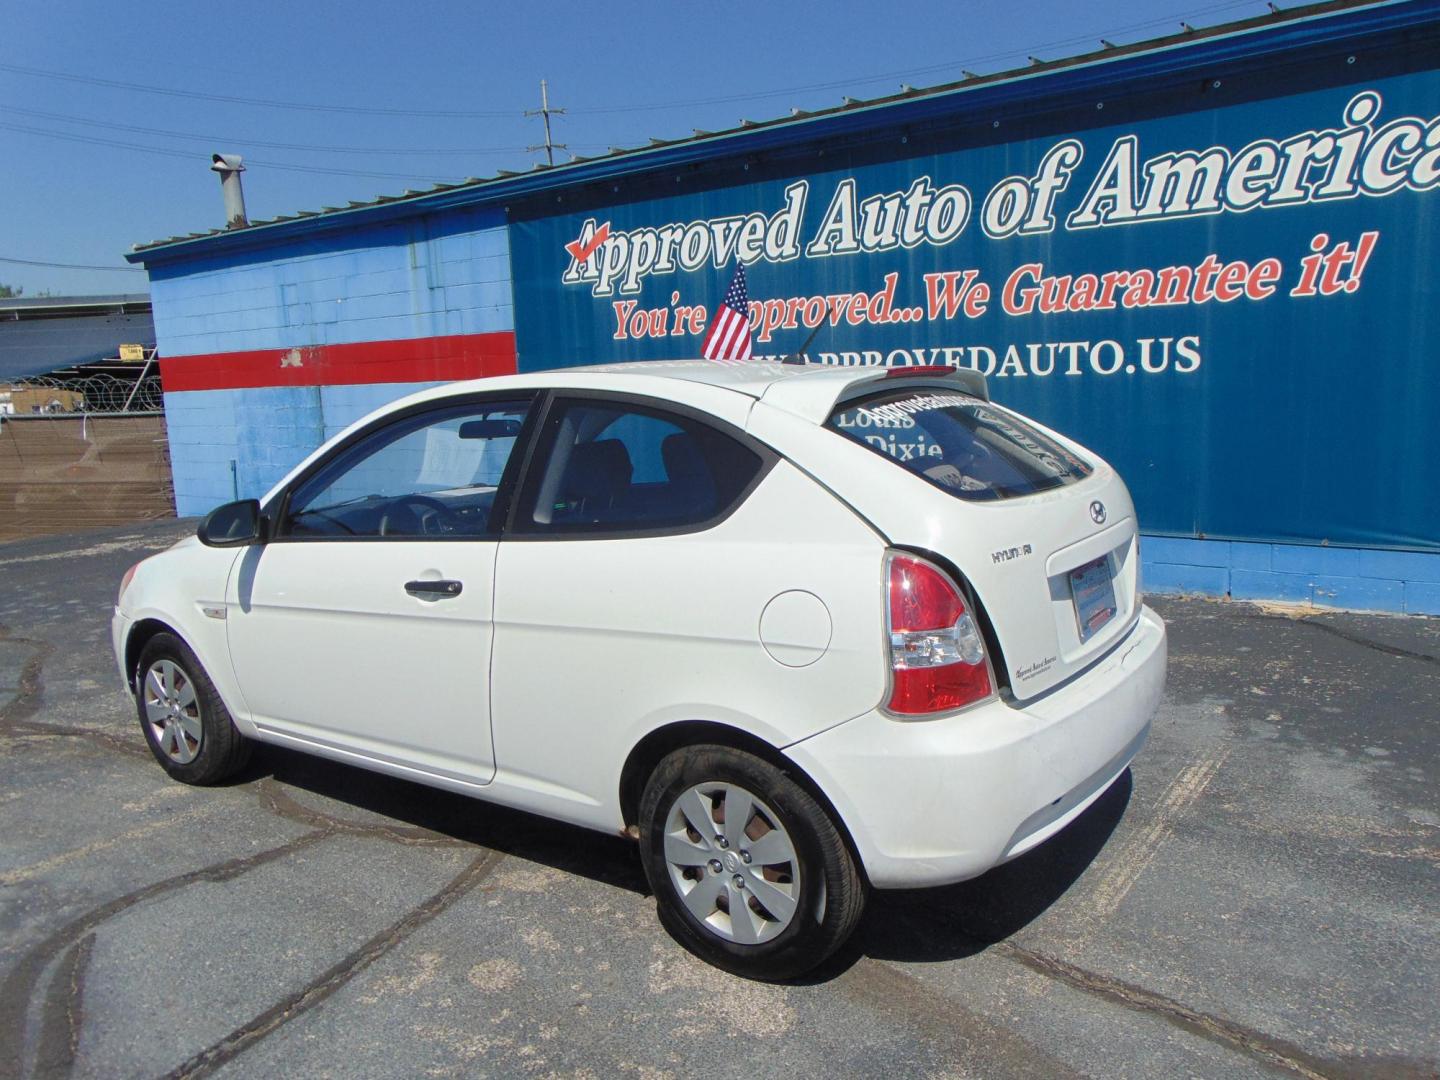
1257, 897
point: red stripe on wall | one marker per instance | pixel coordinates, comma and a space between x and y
434, 359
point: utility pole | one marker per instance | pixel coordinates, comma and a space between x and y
545, 111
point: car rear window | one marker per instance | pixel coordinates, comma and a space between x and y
960, 444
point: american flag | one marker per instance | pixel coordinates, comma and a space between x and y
729, 337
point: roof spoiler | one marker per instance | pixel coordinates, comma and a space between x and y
815, 395
970, 380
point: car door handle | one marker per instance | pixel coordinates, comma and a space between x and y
434, 590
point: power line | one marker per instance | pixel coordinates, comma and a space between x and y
95, 140
950, 66
545, 110
168, 133
235, 100
933, 69
70, 266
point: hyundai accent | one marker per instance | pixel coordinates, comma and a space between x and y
801, 631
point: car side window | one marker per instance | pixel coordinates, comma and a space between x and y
434, 474
612, 467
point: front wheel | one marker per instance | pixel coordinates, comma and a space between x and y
186, 725
748, 870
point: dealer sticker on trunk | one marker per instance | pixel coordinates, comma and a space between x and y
1093, 588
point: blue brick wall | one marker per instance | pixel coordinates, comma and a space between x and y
341, 406
423, 277
238, 444
227, 444
1355, 578
434, 276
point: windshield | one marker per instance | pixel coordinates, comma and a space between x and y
959, 443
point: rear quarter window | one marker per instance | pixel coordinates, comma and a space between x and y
612, 467
962, 445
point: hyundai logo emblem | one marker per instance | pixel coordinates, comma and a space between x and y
1097, 512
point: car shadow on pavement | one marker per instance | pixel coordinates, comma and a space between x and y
322, 792
911, 926
955, 921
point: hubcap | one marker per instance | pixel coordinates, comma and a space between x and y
732, 862
172, 711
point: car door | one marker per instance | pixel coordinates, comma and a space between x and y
363, 626
661, 566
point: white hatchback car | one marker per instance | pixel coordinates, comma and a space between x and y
801, 630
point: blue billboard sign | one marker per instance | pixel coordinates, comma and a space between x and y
1229, 297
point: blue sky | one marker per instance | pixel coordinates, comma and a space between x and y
624, 71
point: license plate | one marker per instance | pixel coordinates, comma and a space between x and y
1093, 588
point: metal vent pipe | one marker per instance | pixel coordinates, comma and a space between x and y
230, 166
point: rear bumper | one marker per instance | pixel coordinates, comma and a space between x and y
938, 801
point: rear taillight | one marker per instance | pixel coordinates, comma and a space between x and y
937, 656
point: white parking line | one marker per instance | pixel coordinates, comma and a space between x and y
44, 866
1137, 852
124, 543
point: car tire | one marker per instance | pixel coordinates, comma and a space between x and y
186, 725
801, 892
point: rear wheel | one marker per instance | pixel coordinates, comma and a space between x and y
186, 725
748, 870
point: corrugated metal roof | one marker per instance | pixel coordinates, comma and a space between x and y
734, 140
44, 334
38, 306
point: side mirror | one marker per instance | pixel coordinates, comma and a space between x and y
236, 524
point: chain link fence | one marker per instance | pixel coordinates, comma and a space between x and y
82, 450
96, 394
71, 470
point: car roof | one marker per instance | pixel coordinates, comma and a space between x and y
807, 390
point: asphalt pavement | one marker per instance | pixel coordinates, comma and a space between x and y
1260, 895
